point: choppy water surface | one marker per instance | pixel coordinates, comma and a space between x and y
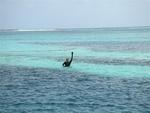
110, 72
38, 90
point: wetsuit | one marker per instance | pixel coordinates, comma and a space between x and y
68, 63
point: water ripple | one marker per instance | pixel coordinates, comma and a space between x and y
36, 90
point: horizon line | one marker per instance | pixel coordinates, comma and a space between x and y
71, 28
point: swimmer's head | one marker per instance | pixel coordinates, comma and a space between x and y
67, 59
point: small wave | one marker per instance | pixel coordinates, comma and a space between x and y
36, 30
140, 62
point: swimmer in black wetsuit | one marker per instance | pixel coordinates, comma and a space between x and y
67, 63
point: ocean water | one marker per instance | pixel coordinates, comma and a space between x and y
110, 72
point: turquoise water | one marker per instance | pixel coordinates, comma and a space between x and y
110, 72
111, 51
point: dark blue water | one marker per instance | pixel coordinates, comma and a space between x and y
39, 90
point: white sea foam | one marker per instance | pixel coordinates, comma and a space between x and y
36, 30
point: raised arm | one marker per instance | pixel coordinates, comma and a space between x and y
71, 57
